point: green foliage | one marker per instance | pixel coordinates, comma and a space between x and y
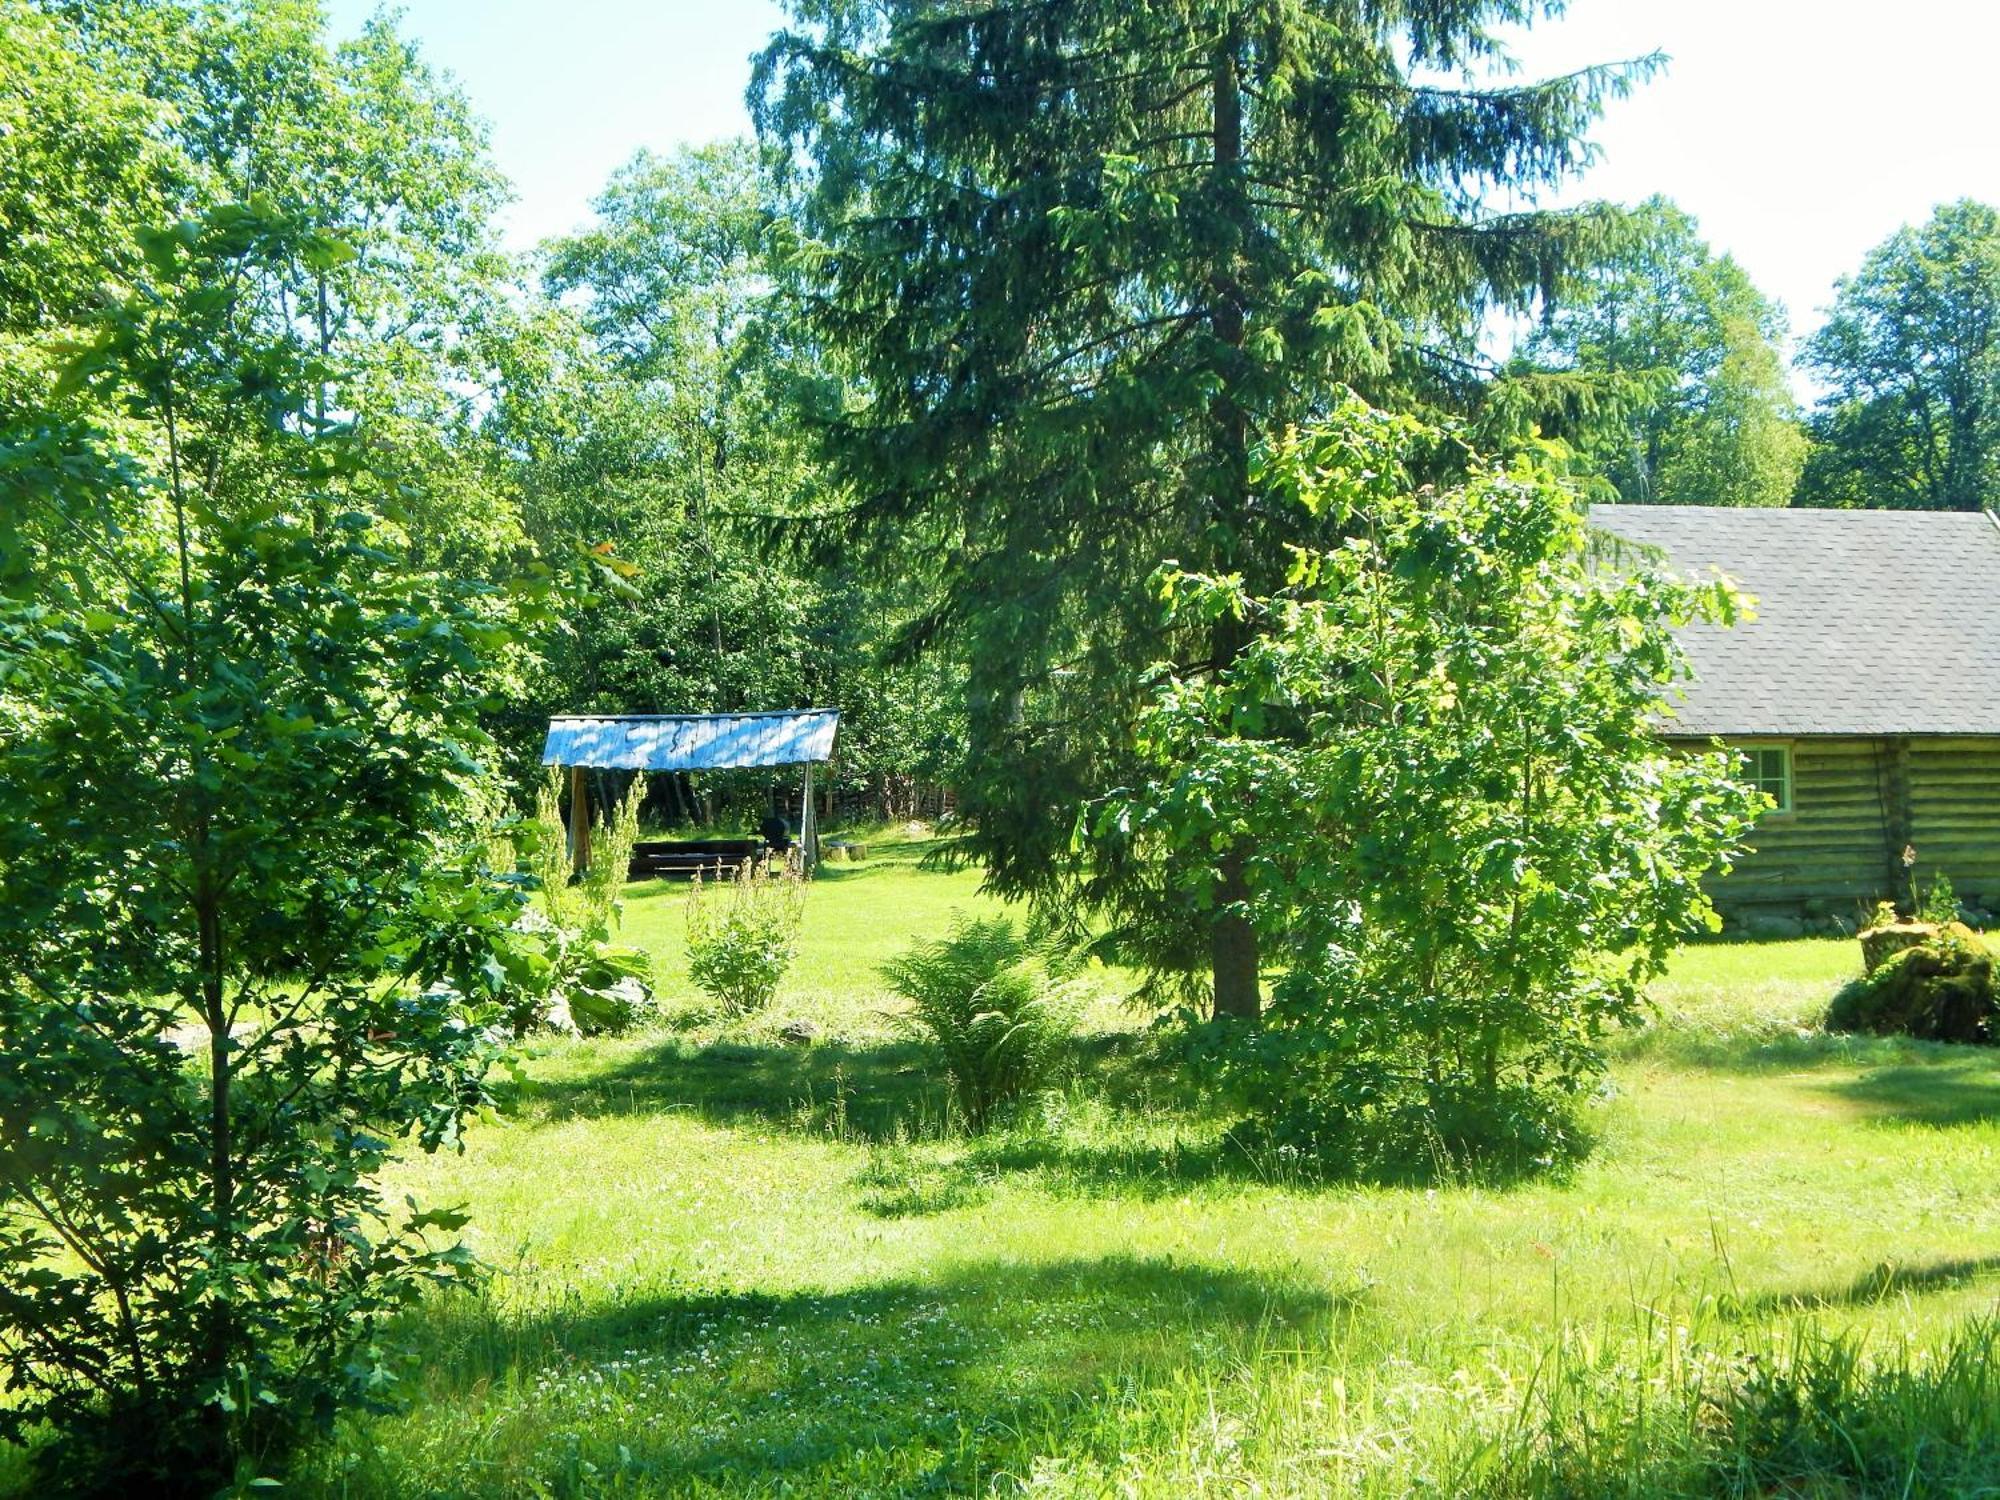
663, 408
1706, 415
1910, 361
1471, 849
249, 943
742, 935
1077, 260
1816, 1413
123, 115
80, 175
987, 1004
582, 982
586, 902
596, 987
1940, 902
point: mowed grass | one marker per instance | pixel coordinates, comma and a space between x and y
732, 1264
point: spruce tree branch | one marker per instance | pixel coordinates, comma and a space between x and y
1056, 362
1478, 366
1075, 391
1508, 93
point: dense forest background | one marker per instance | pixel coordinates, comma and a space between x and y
672, 384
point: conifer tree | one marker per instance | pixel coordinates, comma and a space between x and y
1080, 257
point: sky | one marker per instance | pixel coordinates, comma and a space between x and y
1801, 133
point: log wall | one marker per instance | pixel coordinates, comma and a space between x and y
1856, 804
1955, 815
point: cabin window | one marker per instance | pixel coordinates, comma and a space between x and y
1769, 769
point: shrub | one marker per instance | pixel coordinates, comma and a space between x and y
575, 982
742, 935
987, 1003
250, 947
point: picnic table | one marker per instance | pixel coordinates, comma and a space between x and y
710, 857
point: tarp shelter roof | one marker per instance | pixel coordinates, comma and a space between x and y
692, 742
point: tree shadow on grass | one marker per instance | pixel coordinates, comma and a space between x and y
886, 1095
937, 1384
1958, 1086
873, 1092
900, 1183
1881, 1283
1160, 1141
1901, 1070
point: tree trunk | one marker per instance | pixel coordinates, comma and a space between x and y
1232, 938
219, 1315
1232, 942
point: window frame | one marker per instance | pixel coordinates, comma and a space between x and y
1787, 804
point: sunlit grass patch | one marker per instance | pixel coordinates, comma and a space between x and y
742, 1259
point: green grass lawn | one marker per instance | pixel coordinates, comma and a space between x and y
729, 1265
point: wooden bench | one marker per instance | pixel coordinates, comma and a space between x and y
708, 857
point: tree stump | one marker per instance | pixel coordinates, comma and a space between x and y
1880, 944
1924, 981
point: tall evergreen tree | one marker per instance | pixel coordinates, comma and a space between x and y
1704, 416
1083, 256
1910, 358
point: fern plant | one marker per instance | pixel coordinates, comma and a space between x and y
992, 1007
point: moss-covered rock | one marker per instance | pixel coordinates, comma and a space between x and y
1935, 983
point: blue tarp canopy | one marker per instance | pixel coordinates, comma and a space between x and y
692, 742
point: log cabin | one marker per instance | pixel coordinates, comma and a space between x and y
1864, 697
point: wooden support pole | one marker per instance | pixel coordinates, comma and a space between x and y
579, 819
808, 825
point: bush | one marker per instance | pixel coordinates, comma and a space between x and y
251, 948
986, 1001
743, 936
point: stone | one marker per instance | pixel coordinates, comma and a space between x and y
1771, 925
797, 1032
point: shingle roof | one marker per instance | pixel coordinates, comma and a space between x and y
692, 742
1868, 621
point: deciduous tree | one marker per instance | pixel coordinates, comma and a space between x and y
1696, 410
1471, 849
234, 765
1910, 359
